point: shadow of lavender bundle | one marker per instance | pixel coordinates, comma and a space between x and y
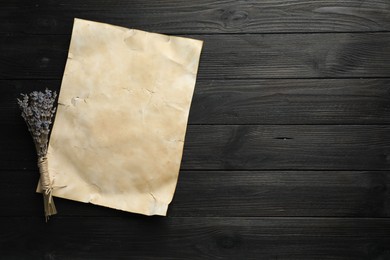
38, 110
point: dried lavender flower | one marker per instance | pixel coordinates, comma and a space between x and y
38, 110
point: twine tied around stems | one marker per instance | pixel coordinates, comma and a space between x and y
47, 188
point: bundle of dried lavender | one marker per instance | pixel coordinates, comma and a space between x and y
38, 110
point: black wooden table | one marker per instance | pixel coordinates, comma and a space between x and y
287, 154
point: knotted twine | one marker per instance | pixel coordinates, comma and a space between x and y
47, 188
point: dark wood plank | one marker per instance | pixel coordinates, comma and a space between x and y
202, 16
136, 237
287, 147
345, 101
307, 101
232, 193
282, 193
341, 55
251, 147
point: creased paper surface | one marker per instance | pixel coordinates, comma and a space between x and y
118, 136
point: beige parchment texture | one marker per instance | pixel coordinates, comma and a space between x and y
118, 136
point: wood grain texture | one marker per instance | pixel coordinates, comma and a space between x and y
292, 101
287, 155
233, 194
331, 147
251, 147
341, 55
202, 16
136, 237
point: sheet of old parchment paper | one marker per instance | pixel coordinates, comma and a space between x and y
118, 135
